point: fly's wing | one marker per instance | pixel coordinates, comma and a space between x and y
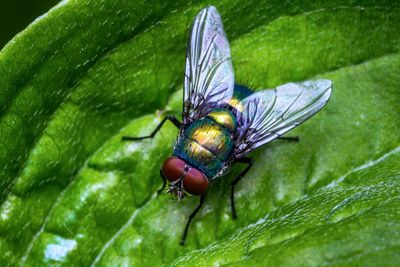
209, 77
270, 113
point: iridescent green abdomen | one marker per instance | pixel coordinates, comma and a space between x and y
207, 143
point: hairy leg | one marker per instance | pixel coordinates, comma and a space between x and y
202, 198
171, 118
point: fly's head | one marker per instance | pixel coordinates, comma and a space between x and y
183, 178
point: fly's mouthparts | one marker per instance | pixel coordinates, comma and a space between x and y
180, 195
171, 189
176, 189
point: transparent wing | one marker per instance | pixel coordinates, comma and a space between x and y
270, 113
209, 73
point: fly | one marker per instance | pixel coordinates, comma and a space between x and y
222, 122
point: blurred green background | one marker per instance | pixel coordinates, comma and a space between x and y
15, 15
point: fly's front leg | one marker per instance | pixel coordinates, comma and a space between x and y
202, 198
171, 118
164, 183
249, 163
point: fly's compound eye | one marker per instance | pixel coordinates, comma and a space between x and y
173, 168
195, 182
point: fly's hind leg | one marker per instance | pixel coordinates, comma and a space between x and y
290, 138
249, 163
171, 118
202, 198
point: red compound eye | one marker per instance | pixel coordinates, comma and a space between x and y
195, 182
173, 168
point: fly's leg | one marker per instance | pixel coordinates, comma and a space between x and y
249, 163
171, 118
164, 183
290, 138
202, 198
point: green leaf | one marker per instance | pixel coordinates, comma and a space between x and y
90, 71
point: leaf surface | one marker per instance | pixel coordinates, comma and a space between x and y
90, 71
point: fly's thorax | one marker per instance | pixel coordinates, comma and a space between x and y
225, 118
211, 136
196, 152
206, 145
